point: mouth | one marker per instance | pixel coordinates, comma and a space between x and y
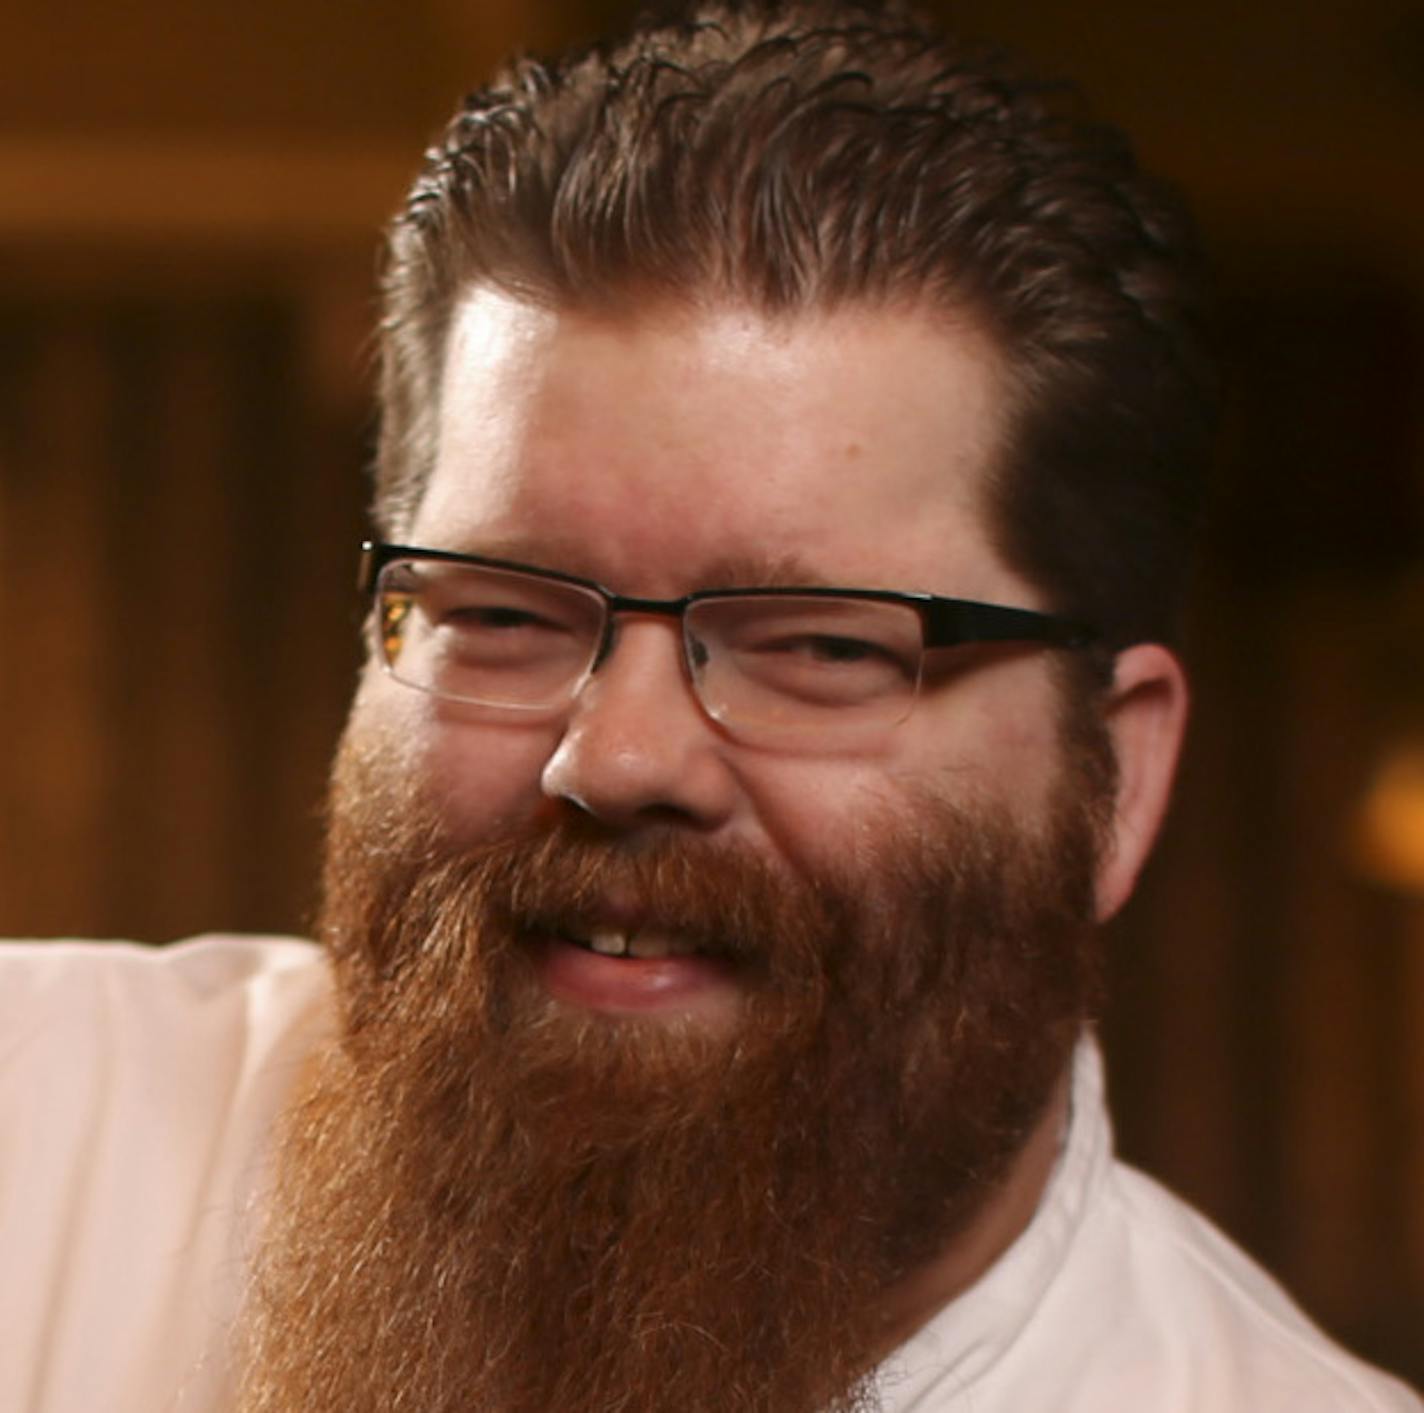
635, 967
641, 943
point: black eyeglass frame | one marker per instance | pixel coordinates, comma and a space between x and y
946, 622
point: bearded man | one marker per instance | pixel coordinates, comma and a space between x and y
791, 430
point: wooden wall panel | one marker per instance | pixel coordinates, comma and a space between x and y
56, 650
179, 534
1264, 1035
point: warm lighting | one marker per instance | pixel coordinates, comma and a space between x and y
1388, 842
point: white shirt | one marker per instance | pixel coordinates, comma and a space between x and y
1119, 1298
137, 1093
137, 1090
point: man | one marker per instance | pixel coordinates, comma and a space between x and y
790, 436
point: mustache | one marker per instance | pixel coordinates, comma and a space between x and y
423, 902
723, 899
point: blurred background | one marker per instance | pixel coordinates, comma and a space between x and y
189, 198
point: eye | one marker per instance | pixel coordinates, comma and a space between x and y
494, 616
807, 651
822, 647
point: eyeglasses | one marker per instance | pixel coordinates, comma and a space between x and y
764, 663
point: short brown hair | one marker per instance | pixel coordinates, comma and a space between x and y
812, 154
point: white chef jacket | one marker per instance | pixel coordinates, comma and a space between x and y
138, 1087
137, 1090
1119, 1297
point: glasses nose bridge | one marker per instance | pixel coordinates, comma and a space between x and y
616, 606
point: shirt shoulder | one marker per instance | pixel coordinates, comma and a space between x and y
74, 975
79, 1016
1119, 1295
1224, 1310
1158, 1308
138, 1090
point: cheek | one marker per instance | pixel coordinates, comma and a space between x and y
480, 778
990, 739
819, 816
1004, 739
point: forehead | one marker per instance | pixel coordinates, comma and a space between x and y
664, 450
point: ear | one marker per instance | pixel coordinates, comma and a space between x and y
1146, 717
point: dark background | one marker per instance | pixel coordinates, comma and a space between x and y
189, 192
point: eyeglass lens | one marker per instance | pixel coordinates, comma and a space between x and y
501, 638
489, 636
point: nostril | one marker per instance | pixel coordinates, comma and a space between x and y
634, 815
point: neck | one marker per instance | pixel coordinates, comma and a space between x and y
913, 1302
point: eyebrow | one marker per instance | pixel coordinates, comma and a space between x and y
741, 570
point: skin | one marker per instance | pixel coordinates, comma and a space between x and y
669, 450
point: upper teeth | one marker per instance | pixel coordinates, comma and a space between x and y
611, 942
616, 942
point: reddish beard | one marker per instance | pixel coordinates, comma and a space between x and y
486, 1201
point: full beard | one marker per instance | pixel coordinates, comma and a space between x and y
485, 1200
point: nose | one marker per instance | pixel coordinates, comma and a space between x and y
637, 747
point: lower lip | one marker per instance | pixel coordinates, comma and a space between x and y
635, 986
